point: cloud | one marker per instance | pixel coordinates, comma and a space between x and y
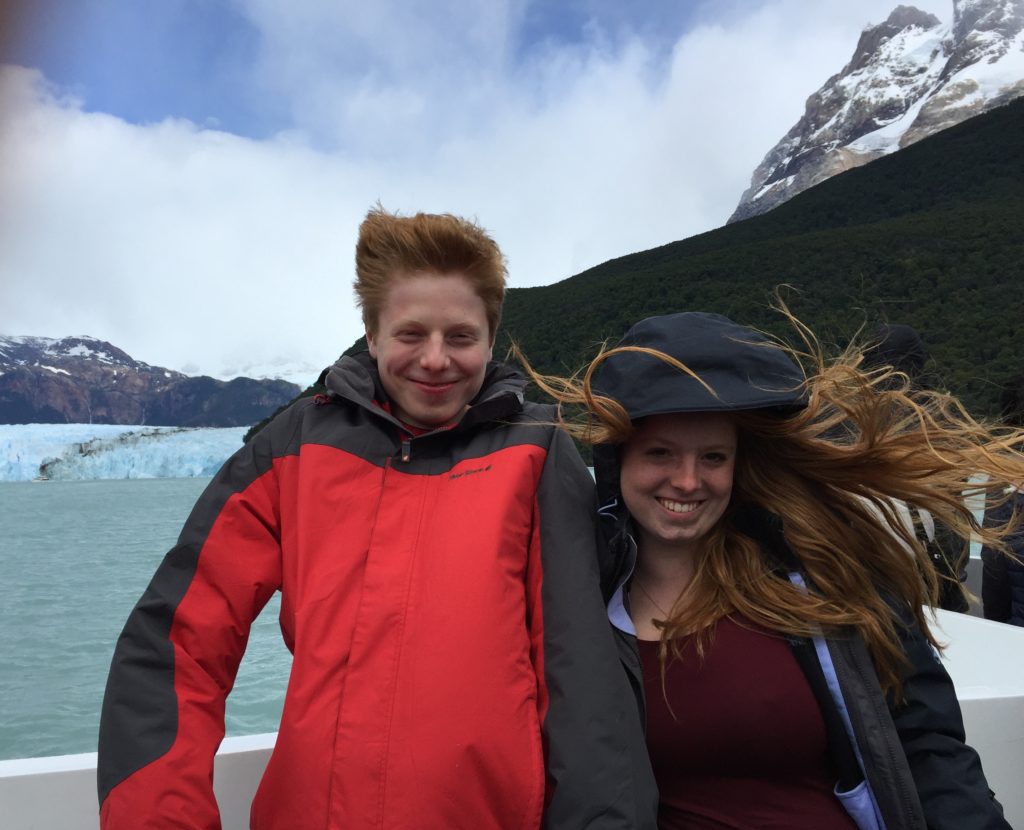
186, 245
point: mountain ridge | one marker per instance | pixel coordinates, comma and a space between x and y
910, 77
82, 379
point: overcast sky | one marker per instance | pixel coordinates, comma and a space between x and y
185, 178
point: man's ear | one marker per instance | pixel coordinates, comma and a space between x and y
371, 344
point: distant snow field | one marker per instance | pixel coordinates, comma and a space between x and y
105, 451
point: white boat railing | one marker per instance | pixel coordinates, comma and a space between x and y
984, 659
60, 792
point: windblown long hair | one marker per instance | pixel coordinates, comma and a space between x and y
833, 472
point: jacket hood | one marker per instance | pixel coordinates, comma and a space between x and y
743, 368
355, 378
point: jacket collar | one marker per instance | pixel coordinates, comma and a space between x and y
761, 525
355, 378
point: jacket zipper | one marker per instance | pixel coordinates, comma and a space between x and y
881, 714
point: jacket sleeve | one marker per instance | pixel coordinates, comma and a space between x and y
599, 776
947, 772
996, 596
175, 661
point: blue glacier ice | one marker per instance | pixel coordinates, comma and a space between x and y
102, 451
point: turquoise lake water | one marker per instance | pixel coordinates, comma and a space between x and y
75, 557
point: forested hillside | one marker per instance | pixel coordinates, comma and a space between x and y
932, 236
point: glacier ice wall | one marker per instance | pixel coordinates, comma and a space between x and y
99, 451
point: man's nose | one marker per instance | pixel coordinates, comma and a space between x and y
434, 356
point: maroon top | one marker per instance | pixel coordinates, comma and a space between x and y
745, 748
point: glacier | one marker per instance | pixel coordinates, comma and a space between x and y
107, 451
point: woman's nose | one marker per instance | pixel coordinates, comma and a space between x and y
684, 476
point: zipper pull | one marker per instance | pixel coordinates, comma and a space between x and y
406, 448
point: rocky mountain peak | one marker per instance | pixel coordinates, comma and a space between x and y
984, 31
22, 350
873, 37
910, 77
1002, 17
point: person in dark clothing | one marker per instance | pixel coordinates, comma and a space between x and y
1002, 575
899, 356
768, 598
900, 348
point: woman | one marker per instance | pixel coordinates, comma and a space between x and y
765, 577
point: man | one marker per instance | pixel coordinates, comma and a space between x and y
433, 539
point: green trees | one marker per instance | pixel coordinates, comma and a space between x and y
932, 236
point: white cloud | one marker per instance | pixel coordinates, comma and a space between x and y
188, 245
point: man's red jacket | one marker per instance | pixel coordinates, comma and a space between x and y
452, 662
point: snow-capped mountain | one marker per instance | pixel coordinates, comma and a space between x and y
85, 380
909, 78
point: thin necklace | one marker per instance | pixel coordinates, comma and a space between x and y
654, 602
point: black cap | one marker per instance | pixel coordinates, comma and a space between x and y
745, 369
